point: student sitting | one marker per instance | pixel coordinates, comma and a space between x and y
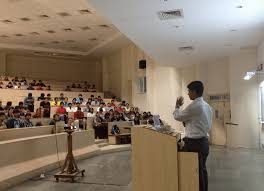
42, 97
9, 85
33, 83
55, 103
30, 87
48, 88
49, 97
41, 84
27, 121
6, 79
61, 98
70, 108
61, 111
85, 89
39, 88
45, 104
23, 81
68, 89
56, 118
15, 122
2, 120
29, 102
73, 85
79, 86
16, 79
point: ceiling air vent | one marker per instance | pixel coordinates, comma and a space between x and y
25, 19
85, 11
44, 16
35, 33
186, 48
104, 26
70, 41
51, 31
19, 35
3, 36
7, 21
85, 28
64, 14
172, 14
67, 29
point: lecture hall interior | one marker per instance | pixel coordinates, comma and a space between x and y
88, 92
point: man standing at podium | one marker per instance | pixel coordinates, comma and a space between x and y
197, 119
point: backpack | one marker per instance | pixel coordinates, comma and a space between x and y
115, 130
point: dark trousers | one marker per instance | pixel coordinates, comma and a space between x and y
200, 146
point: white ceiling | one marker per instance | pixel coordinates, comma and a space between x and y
88, 30
215, 28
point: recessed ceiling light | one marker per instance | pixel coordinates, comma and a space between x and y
104, 26
70, 41
85, 28
239, 6
44, 16
3, 36
25, 19
67, 29
85, 11
64, 14
6, 21
51, 31
19, 34
34, 33
233, 30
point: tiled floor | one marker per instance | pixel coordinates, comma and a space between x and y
229, 170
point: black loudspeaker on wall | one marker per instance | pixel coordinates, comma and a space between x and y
142, 64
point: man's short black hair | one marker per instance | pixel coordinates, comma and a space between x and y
196, 86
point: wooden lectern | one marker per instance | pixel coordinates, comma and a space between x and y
70, 168
158, 166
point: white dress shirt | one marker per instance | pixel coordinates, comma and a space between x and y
197, 118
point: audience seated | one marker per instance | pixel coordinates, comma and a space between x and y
27, 121
9, 85
41, 97
56, 118
29, 102
41, 84
15, 121
68, 89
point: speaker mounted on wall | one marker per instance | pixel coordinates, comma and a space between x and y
142, 64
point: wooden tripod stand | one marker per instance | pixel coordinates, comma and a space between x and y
70, 168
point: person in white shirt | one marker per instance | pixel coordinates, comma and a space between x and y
197, 119
70, 108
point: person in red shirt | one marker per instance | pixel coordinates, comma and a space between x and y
61, 111
78, 114
79, 118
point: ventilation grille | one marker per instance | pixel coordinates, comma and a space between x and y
25, 19
7, 21
221, 97
85, 28
85, 11
64, 14
51, 31
186, 48
173, 14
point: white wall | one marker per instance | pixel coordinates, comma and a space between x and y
244, 101
163, 83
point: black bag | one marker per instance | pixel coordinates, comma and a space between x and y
115, 130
